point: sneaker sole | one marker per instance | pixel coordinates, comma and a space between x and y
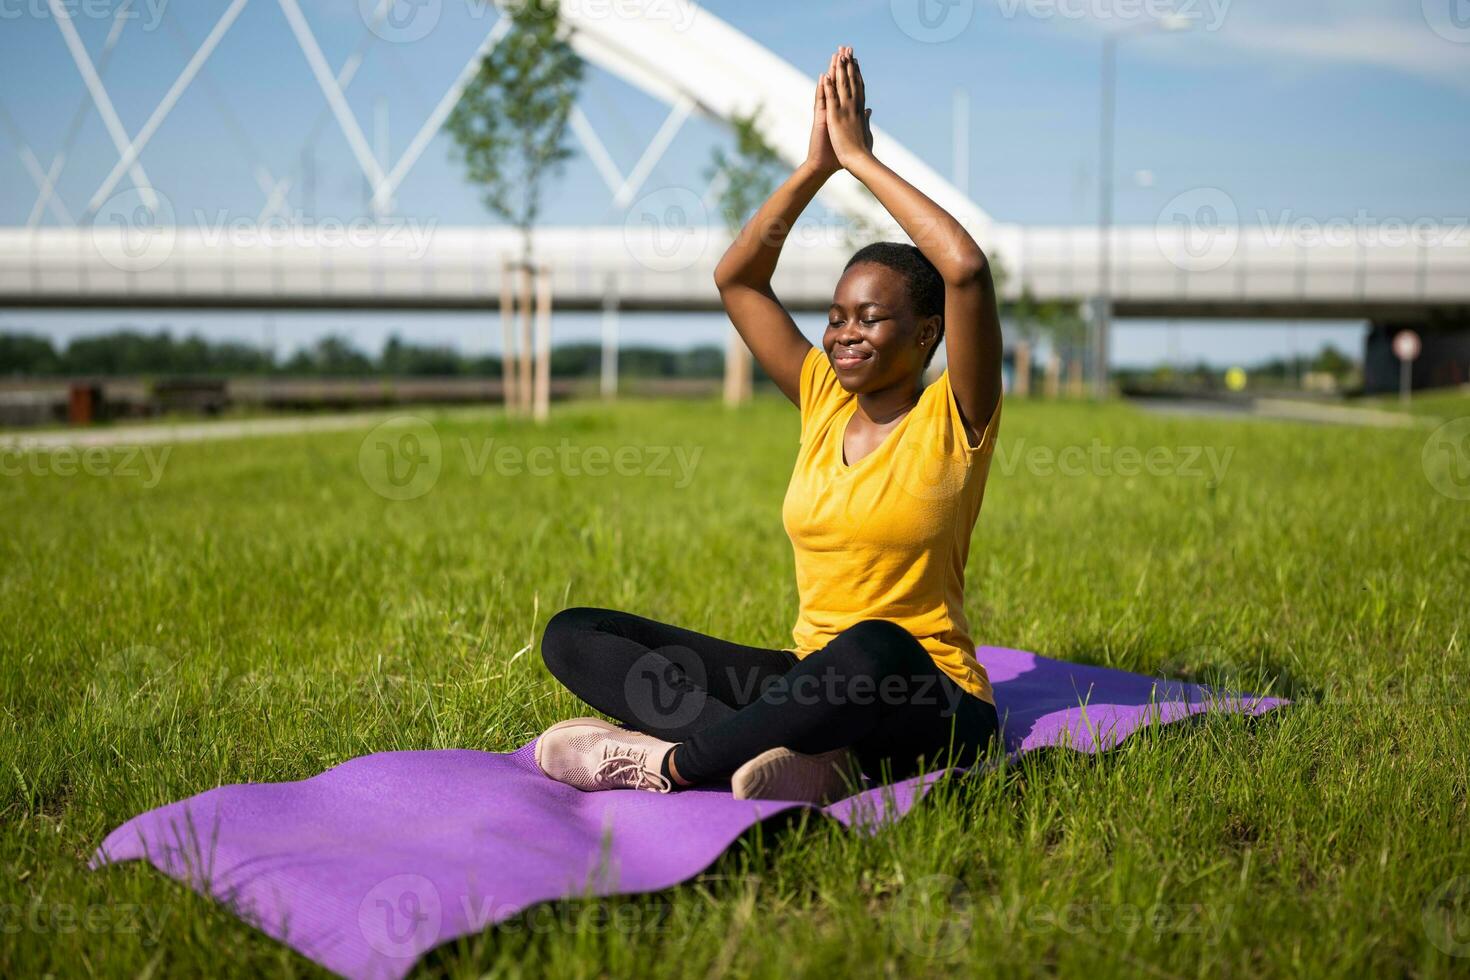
781, 774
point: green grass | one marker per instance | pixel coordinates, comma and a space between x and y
1443, 403
263, 614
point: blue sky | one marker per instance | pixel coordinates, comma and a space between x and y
1303, 109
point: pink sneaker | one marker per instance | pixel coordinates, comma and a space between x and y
781, 774
592, 755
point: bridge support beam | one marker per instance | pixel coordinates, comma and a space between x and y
1100, 328
1444, 360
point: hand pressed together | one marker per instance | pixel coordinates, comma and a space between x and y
845, 99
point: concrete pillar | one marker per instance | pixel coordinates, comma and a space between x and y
610, 339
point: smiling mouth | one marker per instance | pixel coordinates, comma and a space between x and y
849, 357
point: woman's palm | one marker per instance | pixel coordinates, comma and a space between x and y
819, 149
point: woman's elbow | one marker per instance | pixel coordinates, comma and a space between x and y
967, 266
724, 278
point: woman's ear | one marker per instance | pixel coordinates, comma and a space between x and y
929, 331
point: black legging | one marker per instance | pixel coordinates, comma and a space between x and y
873, 689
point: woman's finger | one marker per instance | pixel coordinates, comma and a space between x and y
860, 89
844, 90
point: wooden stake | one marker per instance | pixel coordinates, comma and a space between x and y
543, 344
1022, 387
1053, 375
508, 332
737, 369
527, 341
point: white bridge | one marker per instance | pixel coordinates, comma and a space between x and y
124, 250
666, 264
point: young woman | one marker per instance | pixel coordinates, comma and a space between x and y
889, 477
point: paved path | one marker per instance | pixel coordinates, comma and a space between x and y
159, 433
1291, 410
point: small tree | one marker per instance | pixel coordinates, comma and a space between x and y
748, 177
511, 121
510, 125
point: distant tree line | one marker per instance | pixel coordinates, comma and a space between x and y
132, 352
1329, 362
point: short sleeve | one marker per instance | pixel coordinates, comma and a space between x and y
988, 435
821, 393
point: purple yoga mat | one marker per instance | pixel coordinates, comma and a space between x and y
366, 866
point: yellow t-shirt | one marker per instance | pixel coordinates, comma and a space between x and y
887, 537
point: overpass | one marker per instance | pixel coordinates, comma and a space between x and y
128, 250
659, 260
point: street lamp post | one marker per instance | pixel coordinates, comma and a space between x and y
1102, 314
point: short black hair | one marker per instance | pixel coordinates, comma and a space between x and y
925, 285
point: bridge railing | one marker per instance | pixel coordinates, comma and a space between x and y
664, 268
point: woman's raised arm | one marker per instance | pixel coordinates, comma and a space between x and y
744, 274
972, 339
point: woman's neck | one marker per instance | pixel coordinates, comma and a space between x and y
890, 404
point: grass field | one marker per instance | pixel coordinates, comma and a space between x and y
262, 611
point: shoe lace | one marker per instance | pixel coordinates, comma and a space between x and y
627, 767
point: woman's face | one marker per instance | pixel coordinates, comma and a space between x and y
873, 339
